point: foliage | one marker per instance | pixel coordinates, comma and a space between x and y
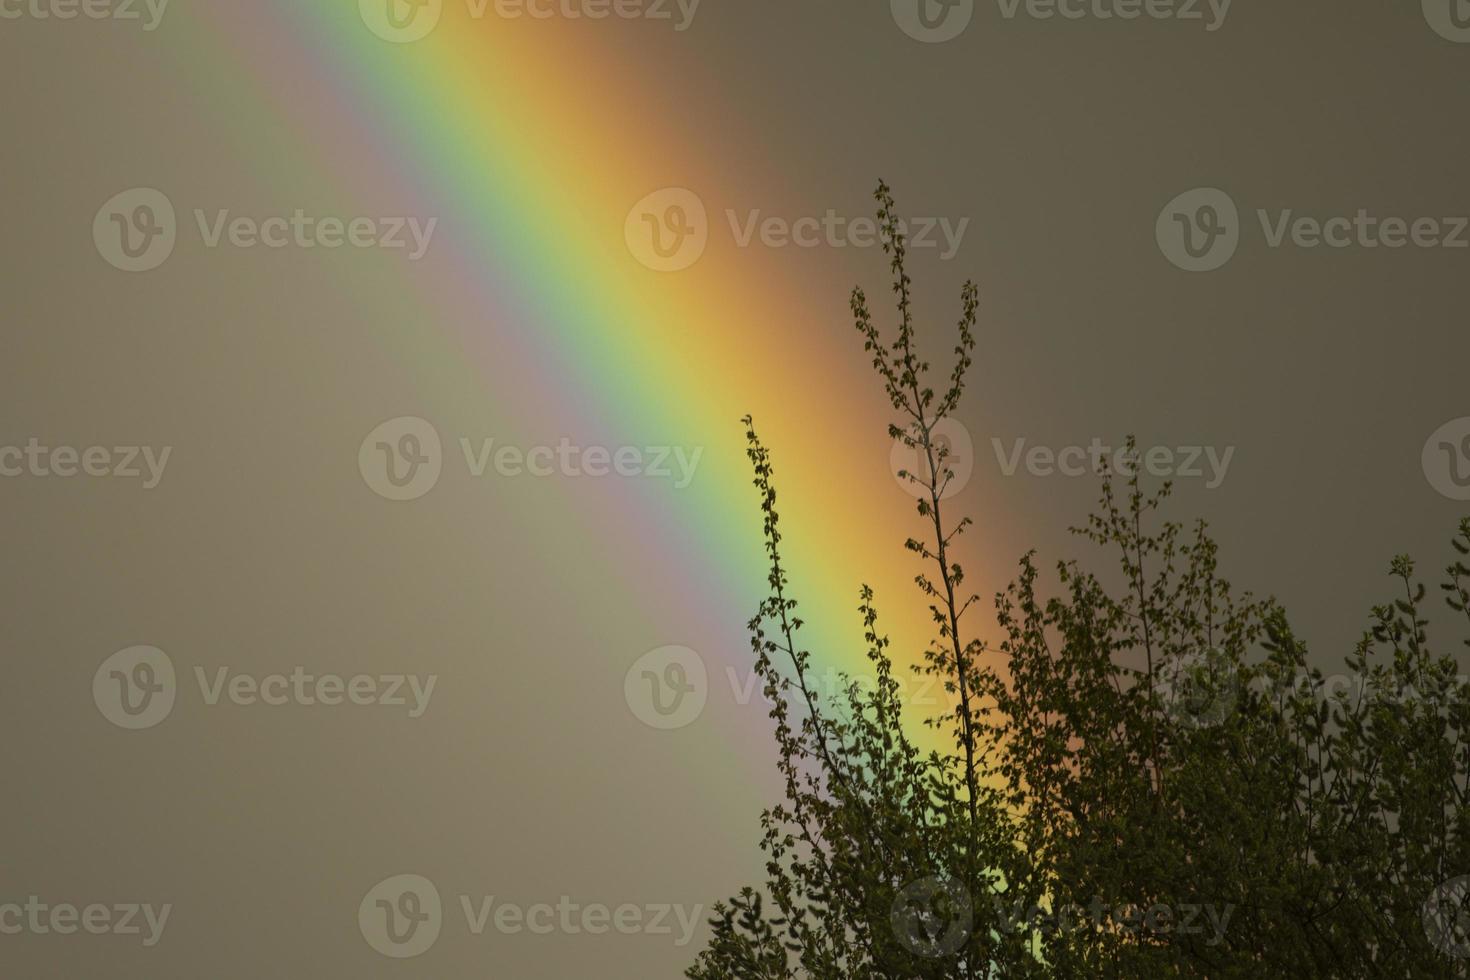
1145, 776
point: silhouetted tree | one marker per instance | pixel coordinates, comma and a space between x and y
1145, 778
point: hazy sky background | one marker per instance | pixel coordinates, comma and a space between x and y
1048, 147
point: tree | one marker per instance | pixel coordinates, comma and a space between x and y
1145, 777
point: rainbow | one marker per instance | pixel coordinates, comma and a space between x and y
531, 145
